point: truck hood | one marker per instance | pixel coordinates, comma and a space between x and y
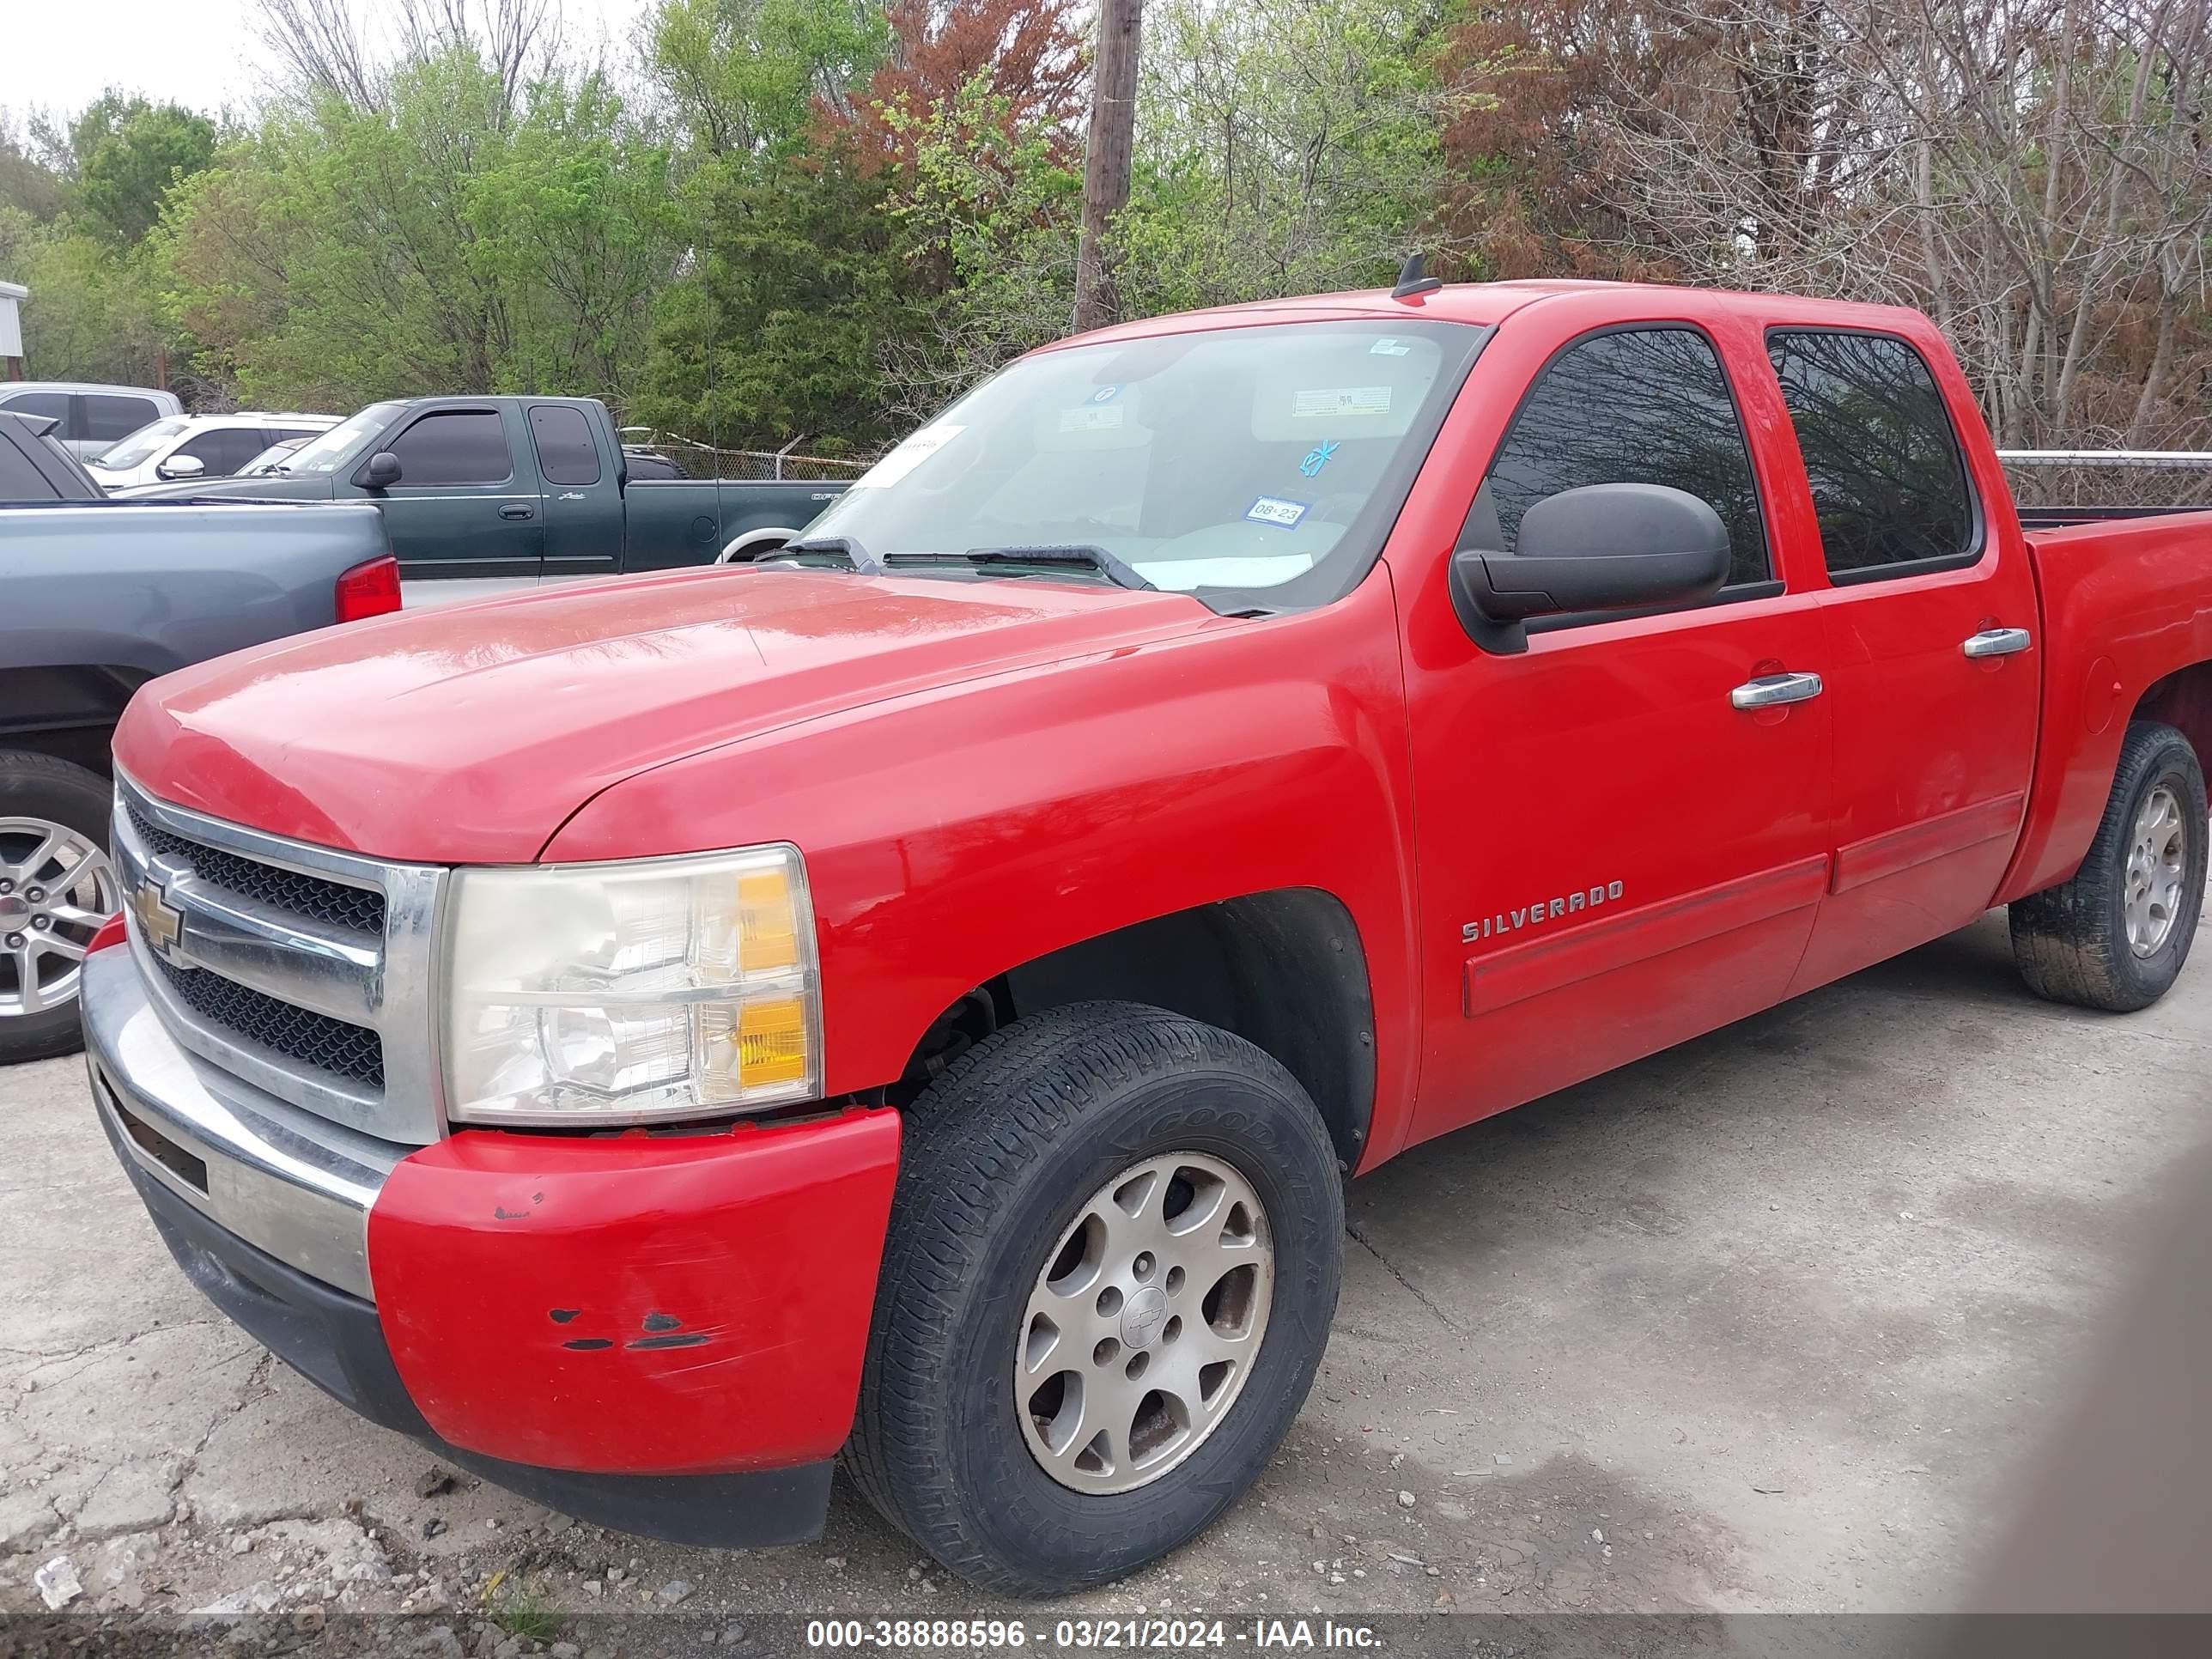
468, 733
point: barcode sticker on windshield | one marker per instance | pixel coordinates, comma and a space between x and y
1270, 509
1338, 402
910, 454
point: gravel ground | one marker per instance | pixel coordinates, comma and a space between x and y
1769, 1323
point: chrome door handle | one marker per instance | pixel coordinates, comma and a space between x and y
1996, 642
1772, 690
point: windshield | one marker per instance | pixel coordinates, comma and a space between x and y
272, 459
326, 451
126, 453
1257, 466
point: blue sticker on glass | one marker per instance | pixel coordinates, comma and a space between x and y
1105, 394
1316, 458
1271, 509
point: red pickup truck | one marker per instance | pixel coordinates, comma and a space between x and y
917, 999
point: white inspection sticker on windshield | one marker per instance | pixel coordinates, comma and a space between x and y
1337, 401
910, 454
1092, 417
1273, 509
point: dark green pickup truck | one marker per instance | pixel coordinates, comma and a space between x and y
489, 495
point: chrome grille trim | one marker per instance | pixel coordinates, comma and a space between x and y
382, 984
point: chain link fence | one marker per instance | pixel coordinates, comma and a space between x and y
2109, 481
693, 460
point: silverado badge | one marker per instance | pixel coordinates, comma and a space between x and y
1548, 909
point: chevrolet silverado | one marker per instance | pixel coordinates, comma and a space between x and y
914, 1000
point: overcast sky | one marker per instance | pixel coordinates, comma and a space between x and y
201, 53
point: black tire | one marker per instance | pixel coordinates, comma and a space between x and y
1000, 1155
33, 786
2071, 940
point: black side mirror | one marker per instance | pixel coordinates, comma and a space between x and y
1603, 547
379, 472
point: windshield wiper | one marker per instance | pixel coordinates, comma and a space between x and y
1047, 555
843, 547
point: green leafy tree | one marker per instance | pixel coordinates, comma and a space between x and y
447, 239
803, 279
746, 76
92, 315
1289, 146
130, 155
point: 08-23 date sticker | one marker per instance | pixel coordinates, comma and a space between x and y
1274, 510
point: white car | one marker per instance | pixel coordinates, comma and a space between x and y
198, 447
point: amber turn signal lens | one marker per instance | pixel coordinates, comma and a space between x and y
771, 1042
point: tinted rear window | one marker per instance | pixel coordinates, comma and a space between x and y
1889, 483
107, 417
565, 449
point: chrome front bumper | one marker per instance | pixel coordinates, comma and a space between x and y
287, 1182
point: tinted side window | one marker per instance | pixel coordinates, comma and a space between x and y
107, 417
52, 404
19, 480
224, 449
565, 449
454, 447
1889, 484
1647, 405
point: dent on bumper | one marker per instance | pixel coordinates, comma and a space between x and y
640, 1302
631, 1305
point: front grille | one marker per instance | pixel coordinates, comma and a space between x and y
299, 1033
332, 903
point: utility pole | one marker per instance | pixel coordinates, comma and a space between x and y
1106, 156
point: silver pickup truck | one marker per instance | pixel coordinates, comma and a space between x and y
96, 598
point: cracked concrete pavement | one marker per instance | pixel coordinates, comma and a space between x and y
1767, 1323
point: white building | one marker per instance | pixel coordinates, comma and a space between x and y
11, 329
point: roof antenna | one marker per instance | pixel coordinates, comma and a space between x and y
1411, 281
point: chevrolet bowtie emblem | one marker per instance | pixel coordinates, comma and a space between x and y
162, 922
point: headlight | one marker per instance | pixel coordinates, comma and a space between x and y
632, 992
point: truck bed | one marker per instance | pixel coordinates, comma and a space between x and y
2124, 596
146, 589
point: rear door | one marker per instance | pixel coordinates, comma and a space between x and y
466, 509
1930, 651
582, 491
1616, 853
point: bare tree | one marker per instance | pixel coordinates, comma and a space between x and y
2037, 174
319, 50
329, 48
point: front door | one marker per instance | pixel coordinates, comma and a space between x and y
1622, 832
1930, 651
464, 514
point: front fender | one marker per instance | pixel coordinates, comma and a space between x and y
954, 834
